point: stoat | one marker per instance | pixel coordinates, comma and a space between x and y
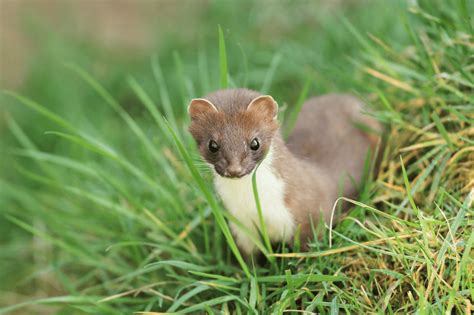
298, 180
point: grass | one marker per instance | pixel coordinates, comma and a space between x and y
105, 207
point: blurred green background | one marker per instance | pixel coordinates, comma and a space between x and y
61, 210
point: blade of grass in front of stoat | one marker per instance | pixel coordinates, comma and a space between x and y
261, 219
216, 210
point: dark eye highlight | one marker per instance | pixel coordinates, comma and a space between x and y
213, 146
255, 144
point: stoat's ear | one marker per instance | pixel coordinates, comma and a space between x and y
200, 106
265, 106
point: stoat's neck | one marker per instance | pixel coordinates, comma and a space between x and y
297, 172
280, 157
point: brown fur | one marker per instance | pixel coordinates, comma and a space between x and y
327, 150
326, 134
324, 150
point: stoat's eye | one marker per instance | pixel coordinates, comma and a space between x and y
213, 146
255, 144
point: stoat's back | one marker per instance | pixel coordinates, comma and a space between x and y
328, 132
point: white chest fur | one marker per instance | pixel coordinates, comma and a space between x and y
238, 197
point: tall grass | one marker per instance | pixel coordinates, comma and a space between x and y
106, 208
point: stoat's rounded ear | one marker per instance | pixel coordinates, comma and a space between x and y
200, 106
265, 106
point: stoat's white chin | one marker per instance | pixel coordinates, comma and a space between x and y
237, 195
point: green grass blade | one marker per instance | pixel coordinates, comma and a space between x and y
222, 60
212, 202
41, 110
291, 121
261, 220
270, 75
164, 94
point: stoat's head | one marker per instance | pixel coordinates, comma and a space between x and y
233, 129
